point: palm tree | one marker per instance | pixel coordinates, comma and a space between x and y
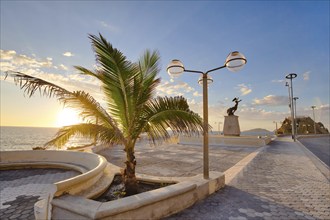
131, 107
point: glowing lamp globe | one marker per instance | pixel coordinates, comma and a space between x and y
235, 61
175, 68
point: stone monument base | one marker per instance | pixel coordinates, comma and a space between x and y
231, 126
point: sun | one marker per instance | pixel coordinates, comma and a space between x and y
67, 116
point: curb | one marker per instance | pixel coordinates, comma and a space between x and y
319, 164
238, 168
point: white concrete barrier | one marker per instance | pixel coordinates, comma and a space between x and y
226, 140
91, 166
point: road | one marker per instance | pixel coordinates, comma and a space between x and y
319, 146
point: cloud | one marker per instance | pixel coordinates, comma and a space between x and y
325, 107
68, 54
322, 113
278, 80
197, 94
172, 89
110, 27
191, 101
63, 67
36, 67
7, 54
271, 100
244, 89
249, 117
10, 60
306, 75
252, 113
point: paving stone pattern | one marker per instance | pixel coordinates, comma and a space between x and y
178, 160
21, 189
280, 183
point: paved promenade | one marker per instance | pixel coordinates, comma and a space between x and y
280, 183
177, 159
20, 189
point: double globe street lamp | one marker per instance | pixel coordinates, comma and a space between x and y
234, 62
291, 76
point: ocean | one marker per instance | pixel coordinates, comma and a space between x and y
26, 138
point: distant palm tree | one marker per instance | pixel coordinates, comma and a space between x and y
131, 108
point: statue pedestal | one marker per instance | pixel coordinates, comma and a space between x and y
231, 126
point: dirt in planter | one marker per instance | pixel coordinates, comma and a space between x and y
116, 189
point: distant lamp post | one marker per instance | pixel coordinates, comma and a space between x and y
275, 127
313, 107
219, 127
234, 62
287, 84
295, 113
291, 76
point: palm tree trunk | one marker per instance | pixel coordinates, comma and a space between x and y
130, 181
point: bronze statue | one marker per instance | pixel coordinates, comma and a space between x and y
232, 110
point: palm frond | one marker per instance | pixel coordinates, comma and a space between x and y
86, 130
145, 83
146, 80
90, 109
173, 113
116, 75
31, 85
85, 71
93, 111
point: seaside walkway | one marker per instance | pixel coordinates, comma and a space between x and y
21, 189
280, 183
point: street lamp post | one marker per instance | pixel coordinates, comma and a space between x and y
295, 114
292, 76
313, 107
287, 84
275, 127
219, 127
234, 62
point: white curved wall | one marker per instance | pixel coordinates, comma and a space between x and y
90, 165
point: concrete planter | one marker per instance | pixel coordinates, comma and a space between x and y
94, 178
153, 204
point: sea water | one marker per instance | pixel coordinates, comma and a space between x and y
26, 138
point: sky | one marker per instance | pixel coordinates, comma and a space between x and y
47, 38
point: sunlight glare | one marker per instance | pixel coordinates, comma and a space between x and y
67, 116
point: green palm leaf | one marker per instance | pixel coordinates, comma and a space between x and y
31, 85
116, 75
164, 113
92, 131
89, 108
